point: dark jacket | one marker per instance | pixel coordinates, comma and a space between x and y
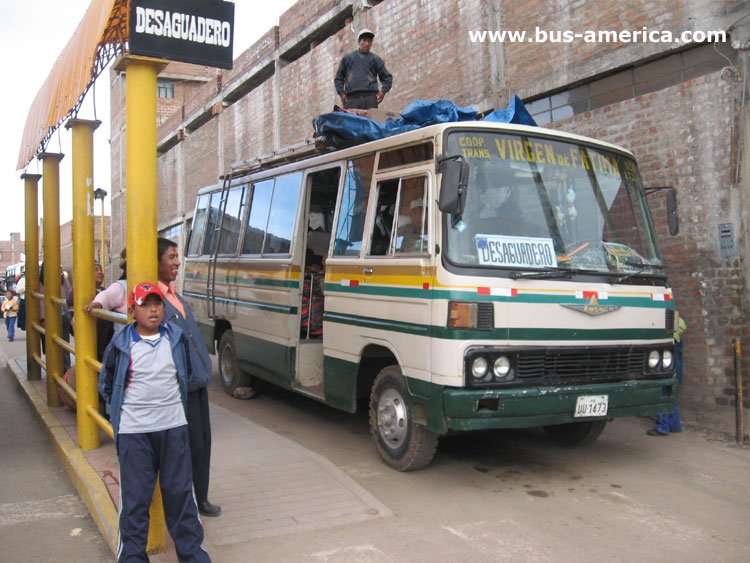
115, 373
359, 72
200, 359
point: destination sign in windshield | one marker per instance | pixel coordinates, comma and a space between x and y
528, 252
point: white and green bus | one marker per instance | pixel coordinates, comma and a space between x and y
463, 276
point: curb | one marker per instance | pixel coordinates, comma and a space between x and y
85, 479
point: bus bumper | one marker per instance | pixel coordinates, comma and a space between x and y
483, 409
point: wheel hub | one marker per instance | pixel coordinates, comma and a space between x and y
392, 418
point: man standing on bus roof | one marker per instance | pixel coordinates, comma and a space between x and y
177, 311
357, 77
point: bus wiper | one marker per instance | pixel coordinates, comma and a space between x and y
638, 272
541, 275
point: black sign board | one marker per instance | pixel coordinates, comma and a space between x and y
192, 31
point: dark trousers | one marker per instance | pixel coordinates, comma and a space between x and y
361, 100
142, 457
199, 429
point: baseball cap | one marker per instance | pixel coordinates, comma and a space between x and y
143, 290
366, 32
416, 203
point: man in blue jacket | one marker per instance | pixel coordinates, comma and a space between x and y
357, 77
177, 311
144, 378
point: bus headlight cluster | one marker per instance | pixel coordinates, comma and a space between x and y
660, 360
491, 369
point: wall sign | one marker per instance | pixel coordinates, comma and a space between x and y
192, 31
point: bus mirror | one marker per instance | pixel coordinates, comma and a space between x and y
672, 219
455, 171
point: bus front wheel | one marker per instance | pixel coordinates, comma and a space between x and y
402, 444
575, 433
231, 376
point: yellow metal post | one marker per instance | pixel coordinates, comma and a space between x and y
141, 203
141, 172
83, 278
31, 188
52, 314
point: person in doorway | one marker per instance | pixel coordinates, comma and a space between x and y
10, 312
199, 423
144, 379
670, 422
357, 77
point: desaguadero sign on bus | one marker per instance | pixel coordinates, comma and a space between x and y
191, 31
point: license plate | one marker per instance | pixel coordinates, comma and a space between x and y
591, 405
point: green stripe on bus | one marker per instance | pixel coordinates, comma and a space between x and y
274, 308
456, 295
539, 334
249, 282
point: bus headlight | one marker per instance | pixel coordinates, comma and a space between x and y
667, 359
479, 368
653, 359
501, 368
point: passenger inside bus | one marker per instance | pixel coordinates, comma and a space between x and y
311, 318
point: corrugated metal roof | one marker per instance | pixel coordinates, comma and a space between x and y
99, 38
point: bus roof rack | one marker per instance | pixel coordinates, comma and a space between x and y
292, 153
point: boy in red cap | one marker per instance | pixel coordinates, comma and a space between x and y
144, 379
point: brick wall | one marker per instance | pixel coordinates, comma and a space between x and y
684, 136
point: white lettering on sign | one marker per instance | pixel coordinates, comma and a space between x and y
185, 27
528, 252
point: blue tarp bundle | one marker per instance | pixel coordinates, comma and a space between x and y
351, 129
516, 112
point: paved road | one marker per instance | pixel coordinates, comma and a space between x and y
515, 496
41, 516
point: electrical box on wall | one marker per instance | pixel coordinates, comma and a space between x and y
726, 240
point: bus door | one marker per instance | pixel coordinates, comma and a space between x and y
320, 203
397, 268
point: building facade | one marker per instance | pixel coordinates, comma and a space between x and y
680, 107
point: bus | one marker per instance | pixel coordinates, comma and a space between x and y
13, 273
460, 277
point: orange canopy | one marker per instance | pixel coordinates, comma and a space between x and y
99, 38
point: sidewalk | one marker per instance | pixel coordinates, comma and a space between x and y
266, 484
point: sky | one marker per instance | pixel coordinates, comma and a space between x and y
32, 35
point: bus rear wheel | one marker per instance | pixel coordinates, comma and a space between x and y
402, 444
576, 433
230, 374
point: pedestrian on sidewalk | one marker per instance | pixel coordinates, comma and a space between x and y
357, 77
10, 311
199, 423
670, 422
144, 379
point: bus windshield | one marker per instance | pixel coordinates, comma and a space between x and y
540, 204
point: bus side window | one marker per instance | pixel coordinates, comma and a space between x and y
353, 207
411, 230
384, 211
199, 225
231, 223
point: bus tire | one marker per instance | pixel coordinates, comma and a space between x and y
230, 374
402, 444
576, 433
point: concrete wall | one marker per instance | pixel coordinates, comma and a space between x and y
686, 135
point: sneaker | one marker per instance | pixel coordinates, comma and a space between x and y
655, 432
